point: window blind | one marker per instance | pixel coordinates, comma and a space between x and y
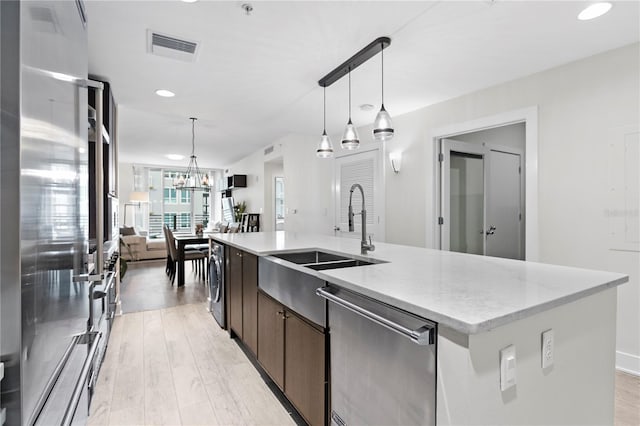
362, 172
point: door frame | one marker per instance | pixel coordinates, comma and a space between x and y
529, 116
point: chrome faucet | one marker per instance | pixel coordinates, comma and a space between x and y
364, 246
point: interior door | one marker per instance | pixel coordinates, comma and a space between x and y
481, 201
362, 168
463, 197
503, 220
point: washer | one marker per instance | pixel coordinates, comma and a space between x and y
216, 284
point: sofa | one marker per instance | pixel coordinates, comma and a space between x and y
136, 247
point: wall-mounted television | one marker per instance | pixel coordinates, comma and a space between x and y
227, 210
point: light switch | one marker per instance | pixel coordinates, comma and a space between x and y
507, 367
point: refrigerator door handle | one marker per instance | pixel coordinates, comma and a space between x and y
88, 278
82, 380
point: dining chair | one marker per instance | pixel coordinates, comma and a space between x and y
193, 255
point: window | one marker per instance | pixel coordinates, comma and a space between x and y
185, 197
170, 196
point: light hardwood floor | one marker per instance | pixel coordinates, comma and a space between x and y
176, 366
627, 399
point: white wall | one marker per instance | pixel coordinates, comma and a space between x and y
579, 105
308, 184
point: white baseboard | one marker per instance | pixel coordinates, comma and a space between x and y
628, 363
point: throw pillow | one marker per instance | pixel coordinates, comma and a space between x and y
126, 230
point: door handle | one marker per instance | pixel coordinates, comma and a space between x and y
492, 230
418, 330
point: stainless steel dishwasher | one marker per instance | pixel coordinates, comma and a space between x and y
383, 362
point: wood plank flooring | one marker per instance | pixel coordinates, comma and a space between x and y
175, 366
146, 287
627, 399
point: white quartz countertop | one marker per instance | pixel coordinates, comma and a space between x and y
468, 293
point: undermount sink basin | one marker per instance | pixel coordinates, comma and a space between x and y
306, 257
319, 260
337, 265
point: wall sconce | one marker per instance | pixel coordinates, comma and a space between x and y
396, 161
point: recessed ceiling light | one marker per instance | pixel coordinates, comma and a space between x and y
189, 1
175, 157
595, 10
366, 107
165, 93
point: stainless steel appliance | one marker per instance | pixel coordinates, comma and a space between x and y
383, 362
48, 338
215, 298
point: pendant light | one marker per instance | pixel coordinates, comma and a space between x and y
325, 147
382, 126
193, 179
350, 139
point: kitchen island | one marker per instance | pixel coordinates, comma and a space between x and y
482, 305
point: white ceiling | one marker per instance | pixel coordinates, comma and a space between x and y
255, 77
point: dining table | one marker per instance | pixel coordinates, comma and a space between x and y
183, 240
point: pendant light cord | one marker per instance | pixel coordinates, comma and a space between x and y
382, 56
349, 93
324, 109
193, 136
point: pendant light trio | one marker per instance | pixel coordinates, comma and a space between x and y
383, 126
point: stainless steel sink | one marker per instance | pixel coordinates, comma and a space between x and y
307, 257
295, 288
320, 260
340, 264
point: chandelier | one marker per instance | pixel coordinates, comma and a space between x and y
193, 179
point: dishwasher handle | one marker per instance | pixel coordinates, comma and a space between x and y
422, 334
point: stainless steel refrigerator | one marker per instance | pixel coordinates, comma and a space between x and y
46, 342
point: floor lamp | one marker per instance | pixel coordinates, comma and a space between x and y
135, 199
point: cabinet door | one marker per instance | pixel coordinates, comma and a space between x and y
304, 379
250, 301
235, 291
271, 338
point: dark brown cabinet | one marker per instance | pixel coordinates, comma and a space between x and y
242, 282
271, 338
304, 371
292, 352
250, 301
234, 284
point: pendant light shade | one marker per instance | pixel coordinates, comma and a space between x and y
325, 147
382, 126
350, 138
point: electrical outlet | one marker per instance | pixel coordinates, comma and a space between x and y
547, 348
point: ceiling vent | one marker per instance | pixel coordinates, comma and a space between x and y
171, 47
268, 150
